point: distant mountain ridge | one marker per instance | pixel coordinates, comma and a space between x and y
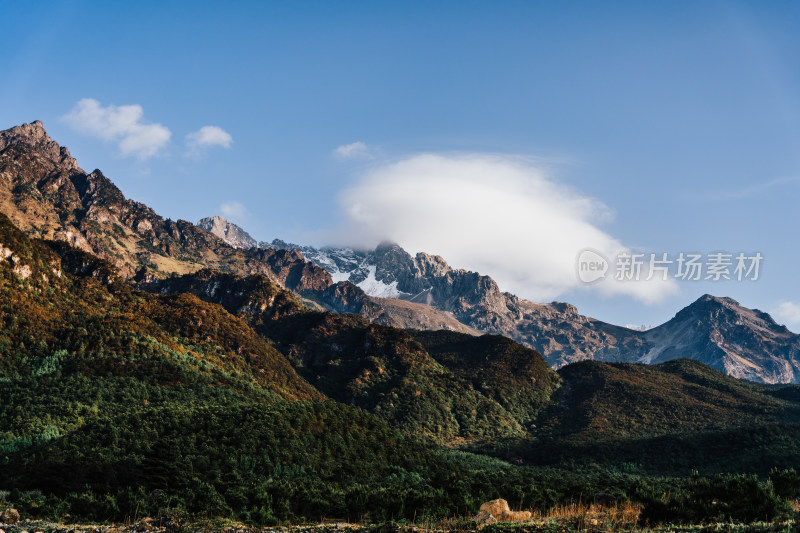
739, 341
47, 195
743, 343
556, 329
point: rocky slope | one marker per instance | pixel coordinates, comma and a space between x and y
46, 194
742, 342
227, 231
554, 329
411, 315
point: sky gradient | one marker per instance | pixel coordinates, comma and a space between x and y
656, 127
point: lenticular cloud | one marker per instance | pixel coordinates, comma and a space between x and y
497, 215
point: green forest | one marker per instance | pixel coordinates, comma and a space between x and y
118, 403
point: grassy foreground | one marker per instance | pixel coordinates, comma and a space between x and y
576, 517
537, 525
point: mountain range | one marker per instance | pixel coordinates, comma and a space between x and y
719, 332
48, 195
149, 366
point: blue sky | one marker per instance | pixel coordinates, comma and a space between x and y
660, 127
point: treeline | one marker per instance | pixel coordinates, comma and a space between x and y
107, 448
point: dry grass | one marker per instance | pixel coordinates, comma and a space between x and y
595, 517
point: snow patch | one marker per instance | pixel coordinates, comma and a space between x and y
376, 288
338, 275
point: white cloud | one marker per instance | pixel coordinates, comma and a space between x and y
208, 136
497, 215
234, 211
789, 314
122, 124
356, 150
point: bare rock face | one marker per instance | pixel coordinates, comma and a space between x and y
35, 135
411, 315
46, 194
293, 271
556, 329
744, 343
741, 342
228, 232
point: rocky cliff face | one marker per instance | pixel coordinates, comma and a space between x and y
717, 331
227, 231
556, 329
34, 135
744, 343
46, 194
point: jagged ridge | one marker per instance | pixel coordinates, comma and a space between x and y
742, 342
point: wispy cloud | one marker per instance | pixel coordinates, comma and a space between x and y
234, 211
206, 137
121, 124
789, 314
494, 214
356, 150
747, 192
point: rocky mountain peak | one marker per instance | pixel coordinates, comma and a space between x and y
708, 306
228, 232
724, 309
742, 342
717, 300
431, 265
392, 263
278, 244
34, 135
389, 247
